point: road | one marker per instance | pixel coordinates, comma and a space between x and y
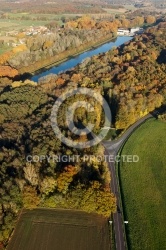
112, 148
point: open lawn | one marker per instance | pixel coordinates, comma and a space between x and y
9, 25
38, 15
4, 49
143, 187
120, 10
115, 11
54, 229
16, 22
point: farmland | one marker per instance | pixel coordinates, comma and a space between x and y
116, 11
143, 188
51, 229
9, 25
4, 49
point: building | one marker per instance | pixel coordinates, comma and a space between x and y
134, 30
123, 32
130, 31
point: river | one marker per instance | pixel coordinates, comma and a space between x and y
78, 59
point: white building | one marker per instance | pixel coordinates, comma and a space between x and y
123, 32
133, 30
129, 32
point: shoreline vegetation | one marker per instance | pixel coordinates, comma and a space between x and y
39, 51
64, 56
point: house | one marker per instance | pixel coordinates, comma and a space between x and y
129, 32
123, 32
134, 30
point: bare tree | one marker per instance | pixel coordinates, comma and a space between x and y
30, 174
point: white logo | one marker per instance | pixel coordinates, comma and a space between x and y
89, 93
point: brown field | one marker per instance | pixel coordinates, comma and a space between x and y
56, 229
115, 11
8, 38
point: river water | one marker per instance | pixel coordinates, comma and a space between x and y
78, 59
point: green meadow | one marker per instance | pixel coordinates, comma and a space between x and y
143, 187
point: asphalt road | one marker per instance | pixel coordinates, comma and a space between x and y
112, 148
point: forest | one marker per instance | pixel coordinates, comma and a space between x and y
77, 35
131, 77
26, 130
56, 7
132, 80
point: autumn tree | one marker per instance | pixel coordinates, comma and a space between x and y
48, 185
150, 19
30, 198
65, 178
125, 23
30, 174
8, 71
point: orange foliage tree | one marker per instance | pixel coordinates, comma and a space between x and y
66, 178
8, 71
150, 19
5, 56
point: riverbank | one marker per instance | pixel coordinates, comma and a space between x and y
64, 56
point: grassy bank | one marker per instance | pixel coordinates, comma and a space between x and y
143, 187
64, 56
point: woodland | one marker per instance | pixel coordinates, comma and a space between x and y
61, 42
132, 80
56, 7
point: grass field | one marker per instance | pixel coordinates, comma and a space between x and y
4, 49
9, 25
143, 187
16, 23
120, 11
42, 229
115, 11
48, 16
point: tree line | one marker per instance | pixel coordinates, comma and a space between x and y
132, 80
78, 33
